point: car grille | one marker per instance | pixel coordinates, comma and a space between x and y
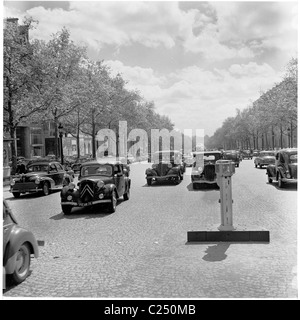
25, 185
162, 169
209, 172
87, 191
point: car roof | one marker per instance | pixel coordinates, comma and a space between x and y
94, 162
288, 150
203, 152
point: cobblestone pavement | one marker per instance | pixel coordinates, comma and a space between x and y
141, 250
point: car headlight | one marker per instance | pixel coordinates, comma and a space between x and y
200, 169
154, 166
288, 175
37, 181
100, 184
12, 182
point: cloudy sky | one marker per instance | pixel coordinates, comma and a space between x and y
198, 61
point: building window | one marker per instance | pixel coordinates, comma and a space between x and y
36, 136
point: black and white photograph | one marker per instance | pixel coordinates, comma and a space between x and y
150, 153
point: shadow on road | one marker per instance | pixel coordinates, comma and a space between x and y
30, 196
162, 184
286, 187
87, 213
203, 187
216, 252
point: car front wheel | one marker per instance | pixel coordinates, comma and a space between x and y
149, 182
66, 209
113, 204
269, 179
46, 189
280, 183
22, 266
126, 195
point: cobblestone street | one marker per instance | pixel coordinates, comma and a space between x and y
141, 250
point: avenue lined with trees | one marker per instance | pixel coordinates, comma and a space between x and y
269, 122
56, 81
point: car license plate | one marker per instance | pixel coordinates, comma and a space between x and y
85, 204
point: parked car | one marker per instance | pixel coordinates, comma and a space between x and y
204, 167
99, 183
255, 153
19, 245
264, 158
285, 168
188, 160
168, 166
247, 154
42, 176
233, 156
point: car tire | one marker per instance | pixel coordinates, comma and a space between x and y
126, 195
255, 165
66, 209
22, 266
280, 183
113, 205
46, 189
269, 179
149, 182
260, 166
16, 194
181, 176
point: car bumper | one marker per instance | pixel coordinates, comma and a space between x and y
26, 190
286, 180
204, 181
160, 178
84, 204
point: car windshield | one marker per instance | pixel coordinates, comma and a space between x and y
37, 168
167, 156
99, 169
267, 154
293, 158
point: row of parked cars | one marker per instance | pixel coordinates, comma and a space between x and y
281, 165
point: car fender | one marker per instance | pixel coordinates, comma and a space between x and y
110, 187
151, 172
50, 180
18, 236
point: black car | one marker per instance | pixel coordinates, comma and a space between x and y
41, 176
99, 183
168, 166
232, 155
204, 168
19, 245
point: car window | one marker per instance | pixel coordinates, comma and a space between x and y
104, 170
38, 168
52, 167
209, 158
59, 167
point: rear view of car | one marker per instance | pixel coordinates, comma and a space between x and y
19, 245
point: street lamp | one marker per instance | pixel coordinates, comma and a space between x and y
60, 130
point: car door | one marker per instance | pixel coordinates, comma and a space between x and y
119, 179
54, 174
61, 173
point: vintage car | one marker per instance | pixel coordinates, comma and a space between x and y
285, 168
232, 155
188, 160
247, 154
204, 170
19, 245
42, 176
99, 183
264, 158
255, 153
168, 166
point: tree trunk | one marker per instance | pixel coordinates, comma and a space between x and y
77, 136
281, 138
291, 134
